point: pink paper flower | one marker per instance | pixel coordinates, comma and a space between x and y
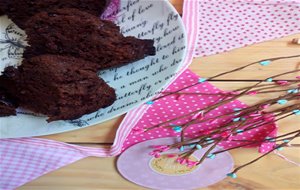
178, 159
265, 106
225, 134
268, 118
171, 155
282, 82
155, 153
252, 93
181, 161
191, 163
255, 115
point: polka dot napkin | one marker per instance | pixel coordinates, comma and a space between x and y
228, 24
173, 106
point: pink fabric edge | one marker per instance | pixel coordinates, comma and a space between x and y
133, 116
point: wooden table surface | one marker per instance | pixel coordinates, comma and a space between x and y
271, 172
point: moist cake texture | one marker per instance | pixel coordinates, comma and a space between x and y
59, 87
21, 10
75, 33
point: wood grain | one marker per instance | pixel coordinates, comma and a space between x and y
269, 173
100, 173
212, 65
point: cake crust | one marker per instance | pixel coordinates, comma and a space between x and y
21, 10
57, 86
79, 34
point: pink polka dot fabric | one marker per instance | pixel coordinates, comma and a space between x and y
173, 106
228, 24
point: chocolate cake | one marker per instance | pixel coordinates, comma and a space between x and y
63, 88
75, 33
20, 10
7, 108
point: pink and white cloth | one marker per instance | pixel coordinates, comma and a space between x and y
213, 27
228, 24
172, 106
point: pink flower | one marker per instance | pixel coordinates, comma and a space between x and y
178, 159
155, 153
298, 77
171, 155
257, 118
165, 149
225, 134
282, 82
269, 118
255, 115
191, 163
265, 106
158, 146
183, 161
252, 93
161, 148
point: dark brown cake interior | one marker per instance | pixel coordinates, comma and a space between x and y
57, 86
7, 106
6, 109
79, 34
20, 10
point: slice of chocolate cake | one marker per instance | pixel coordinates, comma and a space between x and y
79, 34
7, 108
63, 88
20, 10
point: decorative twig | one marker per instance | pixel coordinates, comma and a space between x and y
236, 121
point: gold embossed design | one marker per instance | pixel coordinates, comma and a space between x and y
169, 166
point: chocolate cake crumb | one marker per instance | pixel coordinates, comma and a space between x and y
75, 33
60, 87
21, 10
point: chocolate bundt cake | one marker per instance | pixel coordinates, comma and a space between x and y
75, 33
63, 88
20, 10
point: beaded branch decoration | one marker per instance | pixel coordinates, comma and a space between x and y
268, 111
